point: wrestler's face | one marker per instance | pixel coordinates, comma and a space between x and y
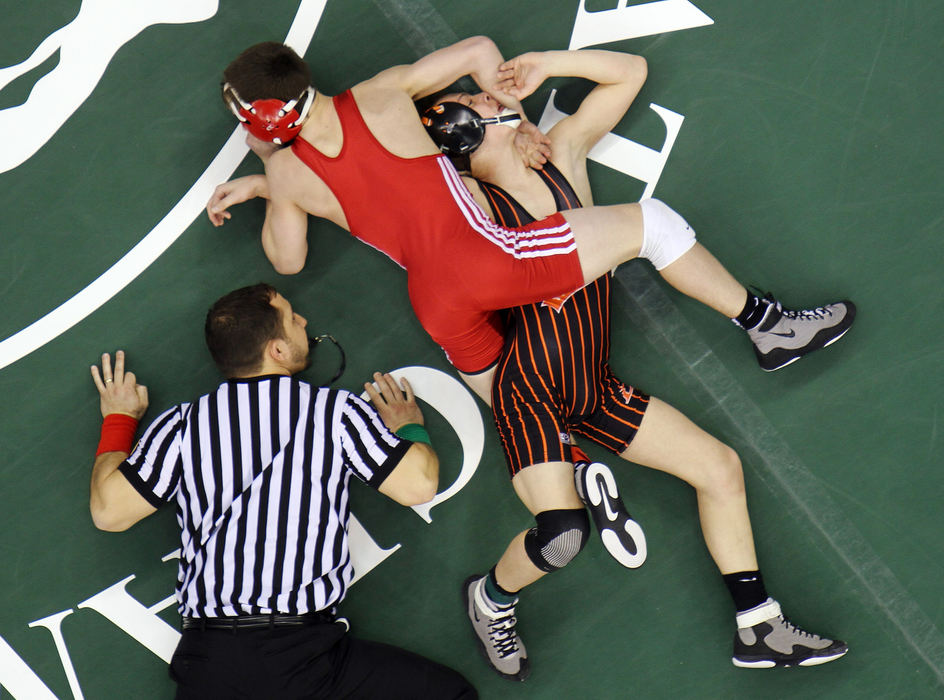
482, 102
261, 148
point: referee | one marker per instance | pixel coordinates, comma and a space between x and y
259, 472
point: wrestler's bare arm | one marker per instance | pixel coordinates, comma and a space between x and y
477, 56
619, 77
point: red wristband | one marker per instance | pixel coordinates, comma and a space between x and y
117, 433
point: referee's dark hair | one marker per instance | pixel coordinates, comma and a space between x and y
239, 325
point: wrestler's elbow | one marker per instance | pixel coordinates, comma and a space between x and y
285, 262
288, 266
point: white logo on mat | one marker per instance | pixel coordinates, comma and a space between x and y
86, 46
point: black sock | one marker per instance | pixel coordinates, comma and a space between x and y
752, 313
746, 589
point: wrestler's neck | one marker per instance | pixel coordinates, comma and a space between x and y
499, 162
322, 128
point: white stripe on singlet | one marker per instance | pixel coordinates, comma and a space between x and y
536, 243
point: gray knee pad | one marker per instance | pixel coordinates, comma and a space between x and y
558, 538
666, 236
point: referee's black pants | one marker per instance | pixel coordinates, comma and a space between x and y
313, 661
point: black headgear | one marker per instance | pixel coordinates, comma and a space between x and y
458, 129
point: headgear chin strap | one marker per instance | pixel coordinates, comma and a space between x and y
458, 129
270, 120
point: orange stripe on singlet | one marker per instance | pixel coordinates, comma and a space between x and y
495, 210
527, 329
603, 306
532, 456
507, 418
587, 371
570, 344
552, 181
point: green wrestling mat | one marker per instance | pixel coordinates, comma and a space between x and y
801, 140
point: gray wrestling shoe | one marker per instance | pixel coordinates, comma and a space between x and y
785, 335
621, 535
494, 628
765, 639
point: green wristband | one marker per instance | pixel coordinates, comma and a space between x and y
414, 432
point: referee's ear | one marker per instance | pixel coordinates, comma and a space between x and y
277, 357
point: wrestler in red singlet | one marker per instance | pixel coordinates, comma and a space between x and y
461, 267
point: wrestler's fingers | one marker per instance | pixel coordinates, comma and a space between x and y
106, 367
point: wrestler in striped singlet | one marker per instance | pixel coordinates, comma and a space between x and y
554, 377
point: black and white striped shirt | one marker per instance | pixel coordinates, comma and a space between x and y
259, 470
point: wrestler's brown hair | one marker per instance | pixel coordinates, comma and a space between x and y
269, 70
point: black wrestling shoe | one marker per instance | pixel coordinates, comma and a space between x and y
766, 639
622, 536
785, 335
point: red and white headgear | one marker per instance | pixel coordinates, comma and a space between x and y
270, 120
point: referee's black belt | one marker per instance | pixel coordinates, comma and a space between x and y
250, 622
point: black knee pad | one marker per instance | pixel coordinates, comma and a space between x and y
558, 538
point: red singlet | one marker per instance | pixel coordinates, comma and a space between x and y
461, 267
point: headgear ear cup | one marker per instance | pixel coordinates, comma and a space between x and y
270, 120
458, 129
455, 128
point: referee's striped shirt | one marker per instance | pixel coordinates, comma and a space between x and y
259, 470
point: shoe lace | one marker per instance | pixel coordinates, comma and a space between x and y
501, 633
793, 629
820, 312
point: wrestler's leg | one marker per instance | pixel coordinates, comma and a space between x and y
608, 236
672, 443
541, 487
562, 526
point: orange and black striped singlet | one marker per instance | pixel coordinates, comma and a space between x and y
553, 376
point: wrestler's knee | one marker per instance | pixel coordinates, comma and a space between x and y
725, 475
666, 235
558, 537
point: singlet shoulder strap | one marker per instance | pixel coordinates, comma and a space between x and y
564, 195
507, 212
353, 126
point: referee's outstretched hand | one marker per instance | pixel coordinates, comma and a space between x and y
119, 390
397, 407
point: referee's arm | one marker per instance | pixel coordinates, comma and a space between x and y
114, 503
415, 479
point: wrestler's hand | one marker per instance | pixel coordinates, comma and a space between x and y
119, 390
522, 75
396, 406
234, 192
533, 146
